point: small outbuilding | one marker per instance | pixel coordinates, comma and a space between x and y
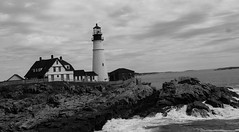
91, 76
15, 77
83, 76
121, 74
79, 75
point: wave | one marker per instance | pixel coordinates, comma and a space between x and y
174, 116
235, 89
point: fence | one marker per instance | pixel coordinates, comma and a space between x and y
16, 82
5, 83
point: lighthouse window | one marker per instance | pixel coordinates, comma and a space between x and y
102, 64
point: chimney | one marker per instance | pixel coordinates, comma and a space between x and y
40, 58
52, 56
60, 57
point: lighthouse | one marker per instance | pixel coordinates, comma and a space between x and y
99, 65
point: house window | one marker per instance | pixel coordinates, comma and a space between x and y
57, 62
102, 64
54, 69
57, 75
67, 77
62, 77
52, 77
59, 69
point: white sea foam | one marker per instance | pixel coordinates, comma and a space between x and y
228, 112
173, 116
139, 124
235, 90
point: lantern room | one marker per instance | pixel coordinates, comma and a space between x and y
97, 34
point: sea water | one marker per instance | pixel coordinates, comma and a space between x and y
215, 77
225, 120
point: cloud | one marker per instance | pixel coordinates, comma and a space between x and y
169, 29
218, 29
145, 35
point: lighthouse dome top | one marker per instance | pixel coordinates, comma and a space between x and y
96, 26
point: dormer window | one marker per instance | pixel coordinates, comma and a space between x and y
37, 70
67, 67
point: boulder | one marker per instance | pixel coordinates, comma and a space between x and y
183, 91
165, 102
188, 80
199, 113
215, 103
53, 101
198, 105
189, 91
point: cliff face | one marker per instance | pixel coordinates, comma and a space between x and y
61, 106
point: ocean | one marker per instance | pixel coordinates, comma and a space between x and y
226, 119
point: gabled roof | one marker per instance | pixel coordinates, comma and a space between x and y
122, 70
91, 73
45, 65
15, 75
79, 73
64, 63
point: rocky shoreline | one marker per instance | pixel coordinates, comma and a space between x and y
191, 92
62, 106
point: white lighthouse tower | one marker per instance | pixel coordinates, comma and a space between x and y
99, 65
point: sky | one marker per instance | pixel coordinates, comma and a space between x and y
142, 35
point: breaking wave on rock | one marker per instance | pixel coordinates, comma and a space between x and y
174, 116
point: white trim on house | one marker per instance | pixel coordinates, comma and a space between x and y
57, 72
55, 69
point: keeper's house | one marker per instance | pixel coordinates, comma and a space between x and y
57, 69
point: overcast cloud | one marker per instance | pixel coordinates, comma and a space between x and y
143, 35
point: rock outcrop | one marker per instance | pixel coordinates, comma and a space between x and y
63, 106
189, 91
